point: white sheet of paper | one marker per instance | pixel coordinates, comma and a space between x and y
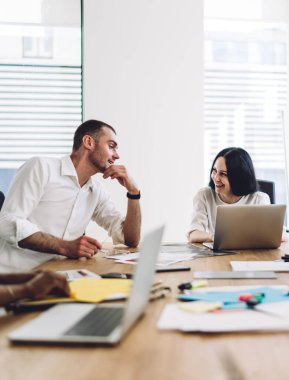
124, 256
173, 318
280, 309
75, 274
164, 258
275, 266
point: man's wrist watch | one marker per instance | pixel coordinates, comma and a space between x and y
133, 196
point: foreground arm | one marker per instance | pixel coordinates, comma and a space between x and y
16, 278
34, 285
84, 246
200, 236
132, 222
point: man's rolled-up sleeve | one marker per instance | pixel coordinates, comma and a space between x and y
13, 229
24, 194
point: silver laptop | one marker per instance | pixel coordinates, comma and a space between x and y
248, 227
90, 323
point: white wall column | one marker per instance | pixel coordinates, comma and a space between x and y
143, 74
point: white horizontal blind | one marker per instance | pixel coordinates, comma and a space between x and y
243, 107
40, 108
246, 93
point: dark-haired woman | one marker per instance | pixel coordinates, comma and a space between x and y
232, 181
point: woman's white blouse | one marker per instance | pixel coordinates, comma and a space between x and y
205, 208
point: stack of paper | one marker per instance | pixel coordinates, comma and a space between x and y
272, 315
174, 318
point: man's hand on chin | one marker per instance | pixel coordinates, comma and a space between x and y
120, 173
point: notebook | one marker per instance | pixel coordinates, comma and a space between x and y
81, 323
248, 227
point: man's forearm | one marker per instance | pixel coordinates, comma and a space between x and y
13, 293
16, 278
84, 246
132, 223
43, 242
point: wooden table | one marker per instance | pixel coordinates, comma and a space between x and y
147, 353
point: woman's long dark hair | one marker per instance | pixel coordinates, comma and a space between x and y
240, 171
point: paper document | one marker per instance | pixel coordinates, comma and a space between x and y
280, 309
199, 252
174, 318
275, 266
230, 298
169, 254
75, 274
271, 315
164, 259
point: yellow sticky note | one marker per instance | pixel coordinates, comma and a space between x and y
200, 306
99, 289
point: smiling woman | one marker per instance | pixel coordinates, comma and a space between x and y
233, 175
232, 181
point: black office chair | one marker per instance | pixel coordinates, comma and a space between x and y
267, 187
2, 198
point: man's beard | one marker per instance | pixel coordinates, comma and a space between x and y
99, 166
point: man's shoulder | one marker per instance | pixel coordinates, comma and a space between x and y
40, 164
42, 160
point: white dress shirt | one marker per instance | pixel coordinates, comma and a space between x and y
205, 208
45, 196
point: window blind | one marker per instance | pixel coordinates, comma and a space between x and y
243, 107
40, 108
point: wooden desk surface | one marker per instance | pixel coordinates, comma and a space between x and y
147, 353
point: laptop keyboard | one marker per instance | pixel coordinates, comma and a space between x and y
99, 322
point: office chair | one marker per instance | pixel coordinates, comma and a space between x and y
2, 198
267, 187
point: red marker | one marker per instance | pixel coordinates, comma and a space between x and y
245, 297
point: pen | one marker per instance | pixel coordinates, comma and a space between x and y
157, 283
285, 258
193, 285
83, 273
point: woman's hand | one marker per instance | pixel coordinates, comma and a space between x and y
200, 236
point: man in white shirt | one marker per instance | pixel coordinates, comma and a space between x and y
51, 201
